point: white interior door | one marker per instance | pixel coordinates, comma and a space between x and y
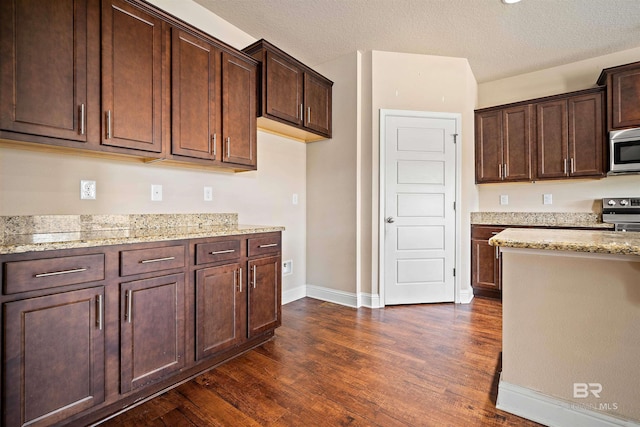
419, 212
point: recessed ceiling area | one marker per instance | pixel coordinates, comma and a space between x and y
498, 39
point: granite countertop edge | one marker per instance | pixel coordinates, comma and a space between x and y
72, 240
585, 241
541, 219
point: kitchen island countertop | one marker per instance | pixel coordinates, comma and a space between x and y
592, 241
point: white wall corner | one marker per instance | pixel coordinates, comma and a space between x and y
550, 411
348, 299
294, 294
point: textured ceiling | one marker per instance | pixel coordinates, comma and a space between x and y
498, 40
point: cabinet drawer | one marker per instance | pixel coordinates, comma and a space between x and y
218, 251
264, 245
148, 260
22, 276
485, 232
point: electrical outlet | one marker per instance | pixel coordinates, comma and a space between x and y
87, 190
547, 199
208, 194
294, 199
156, 193
504, 199
287, 267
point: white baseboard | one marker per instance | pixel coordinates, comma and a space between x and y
331, 295
466, 295
294, 294
370, 300
552, 412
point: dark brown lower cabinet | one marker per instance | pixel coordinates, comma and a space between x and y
53, 357
152, 330
264, 295
87, 332
220, 309
485, 262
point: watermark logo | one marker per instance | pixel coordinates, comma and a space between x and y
583, 390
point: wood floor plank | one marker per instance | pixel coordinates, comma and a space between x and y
329, 365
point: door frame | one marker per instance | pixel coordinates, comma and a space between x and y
384, 113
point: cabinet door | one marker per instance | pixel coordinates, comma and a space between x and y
484, 258
516, 143
488, 137
238, 110
552, 139
220, 309
131, 77
586, 135
43, 88
152, 330
195, 89
317, 102
283, 89
54, 357
264, 295
625, 99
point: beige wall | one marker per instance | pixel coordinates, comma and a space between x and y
425, 83
332, 232
568, 195
36, 182
573, 319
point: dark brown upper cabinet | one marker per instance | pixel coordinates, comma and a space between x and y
131, 77
45, 49
196, 94
295, 101
503, 144
239, 110
623, 95
570, 137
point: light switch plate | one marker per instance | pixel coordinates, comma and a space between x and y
156, 193
294, 199
504, 199
547, 199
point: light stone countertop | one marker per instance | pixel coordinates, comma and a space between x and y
20, 234
541, 219
594, 241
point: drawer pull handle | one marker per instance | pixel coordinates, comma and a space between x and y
240, 276
228, 251
270, 245
129, 296
147, 261
57, 273
100, 311
254, 276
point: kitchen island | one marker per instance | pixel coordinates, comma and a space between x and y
571, 326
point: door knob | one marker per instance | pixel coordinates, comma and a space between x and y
390, 220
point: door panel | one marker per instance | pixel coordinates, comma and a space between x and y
284, 89
152, 330
488, 146
552, 139
420, 178
516, 143
195, 102
131, 77
44, 87
220, 309
586, 135
317, 103
238, 111
264, 295
54, 360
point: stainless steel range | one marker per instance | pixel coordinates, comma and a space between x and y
623, 212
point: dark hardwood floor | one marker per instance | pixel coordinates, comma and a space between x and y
329, 365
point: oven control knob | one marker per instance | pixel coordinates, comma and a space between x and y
611, 202
624, 202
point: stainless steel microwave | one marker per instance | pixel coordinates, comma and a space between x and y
624, 151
